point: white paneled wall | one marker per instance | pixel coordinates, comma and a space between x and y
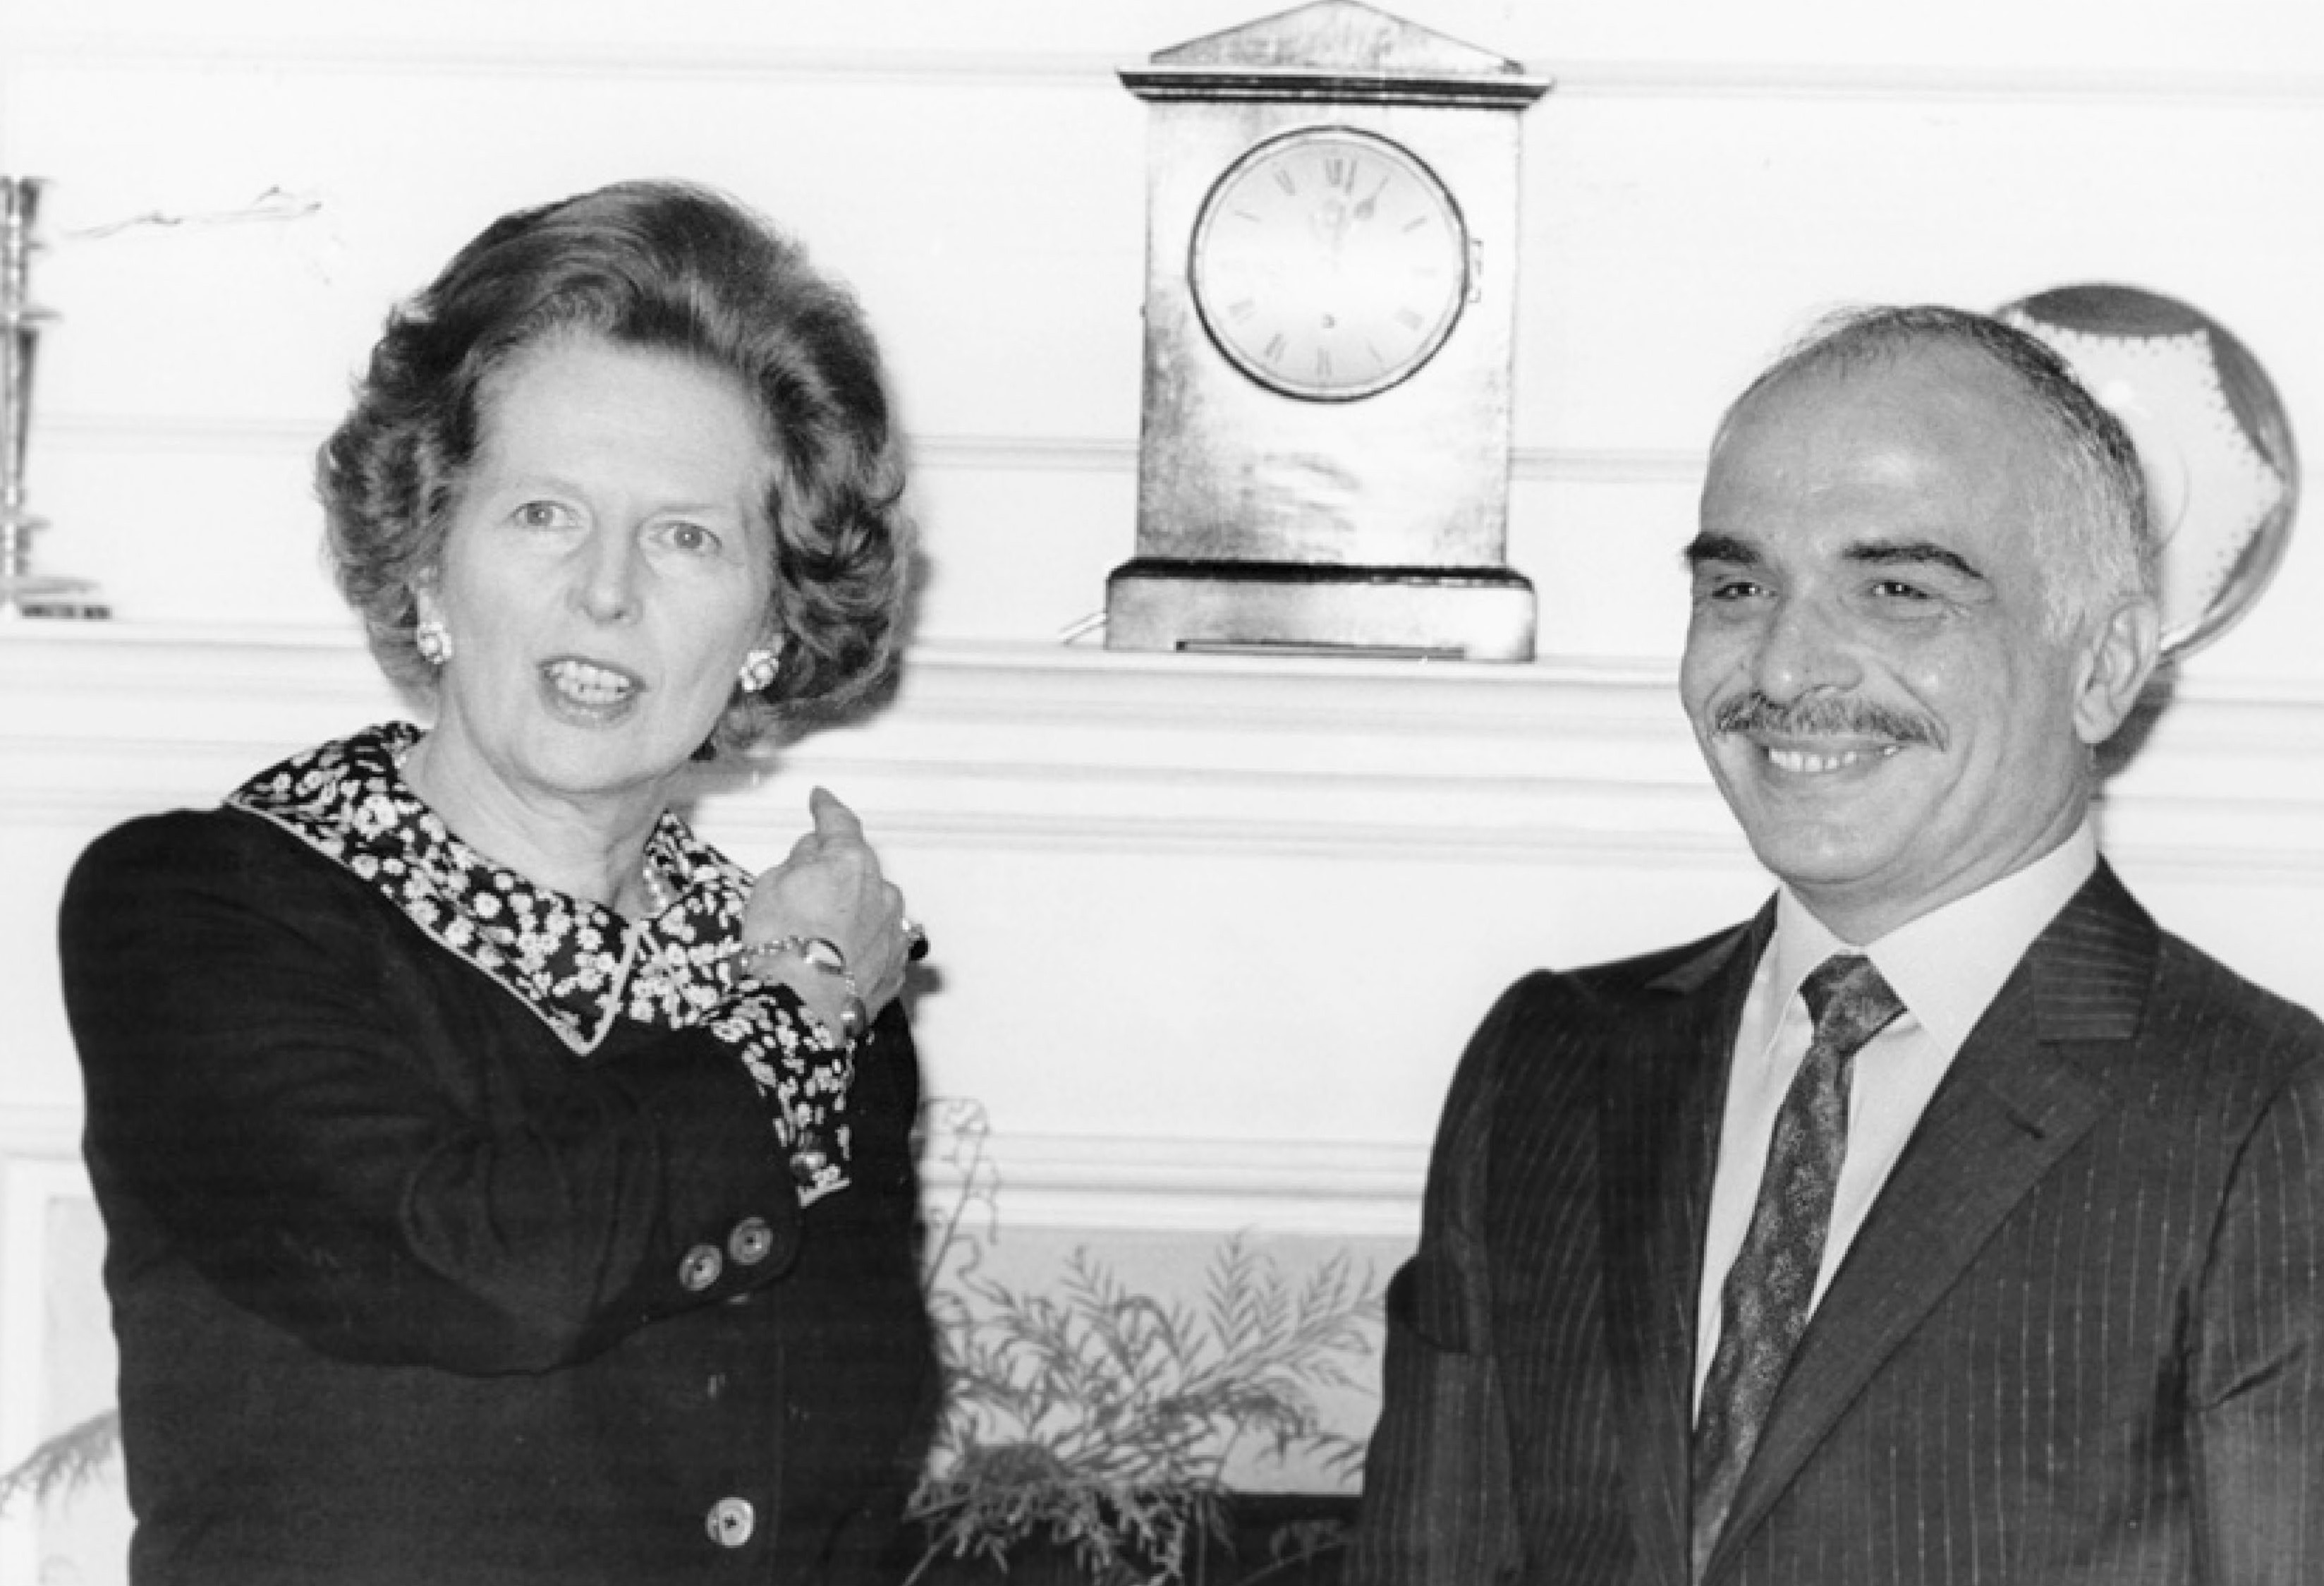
1210, 932
1695, 186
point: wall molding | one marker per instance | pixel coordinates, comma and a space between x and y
1072, 745
175, 433
144, 434
1097, 1184
857, 63
281, 437
1894, 81
1342, 1190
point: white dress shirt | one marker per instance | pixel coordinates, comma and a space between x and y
1945, 968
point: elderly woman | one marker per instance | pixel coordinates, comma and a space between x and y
501, 1186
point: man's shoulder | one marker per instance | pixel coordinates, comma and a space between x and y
1560, 1017
1643, 977
2194, 993
1540, 1060
2105, 967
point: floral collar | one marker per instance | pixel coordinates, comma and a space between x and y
577, 965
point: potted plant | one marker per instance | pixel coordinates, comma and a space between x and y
1090, 1426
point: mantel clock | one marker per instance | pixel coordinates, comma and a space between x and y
1331, 263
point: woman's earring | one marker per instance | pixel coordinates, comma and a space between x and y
759, 668
434, 642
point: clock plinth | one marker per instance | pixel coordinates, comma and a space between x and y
1324, 447
1162, 604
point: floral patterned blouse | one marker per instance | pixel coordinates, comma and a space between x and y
578, 966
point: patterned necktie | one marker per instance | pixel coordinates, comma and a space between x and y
1764, 1303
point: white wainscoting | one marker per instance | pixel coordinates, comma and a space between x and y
1238, 910
1210, 931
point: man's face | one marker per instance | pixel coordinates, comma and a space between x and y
1867, 667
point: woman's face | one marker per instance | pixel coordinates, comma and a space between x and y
606, 569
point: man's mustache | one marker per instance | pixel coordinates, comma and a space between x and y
1825, 715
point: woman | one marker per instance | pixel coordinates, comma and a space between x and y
501, 1185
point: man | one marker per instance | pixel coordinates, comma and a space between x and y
1948, 1222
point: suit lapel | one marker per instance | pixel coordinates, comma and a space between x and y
1657, 1188
2013, 1102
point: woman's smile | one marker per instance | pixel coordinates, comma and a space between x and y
590, 689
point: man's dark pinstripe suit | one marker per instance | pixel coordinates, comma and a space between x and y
2080, 1340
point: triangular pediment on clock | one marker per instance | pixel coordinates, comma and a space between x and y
1339, 50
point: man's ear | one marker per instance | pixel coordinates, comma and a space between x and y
2118, 655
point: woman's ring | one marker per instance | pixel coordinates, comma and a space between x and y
916, 939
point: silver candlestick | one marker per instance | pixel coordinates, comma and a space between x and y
22, 592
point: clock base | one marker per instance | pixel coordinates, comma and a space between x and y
1465, 614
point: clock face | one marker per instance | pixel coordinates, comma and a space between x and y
1329, 264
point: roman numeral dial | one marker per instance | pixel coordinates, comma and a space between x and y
1329, 264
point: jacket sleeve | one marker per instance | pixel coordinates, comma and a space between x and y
285, 1092
1437, 1507
2256, 1375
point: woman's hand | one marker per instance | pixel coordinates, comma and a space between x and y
830, 886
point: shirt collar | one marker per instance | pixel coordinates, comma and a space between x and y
1949, 965
578, 966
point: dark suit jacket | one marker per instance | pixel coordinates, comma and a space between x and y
409, 1294
2079, 1339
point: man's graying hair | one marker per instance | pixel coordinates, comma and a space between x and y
2103, 548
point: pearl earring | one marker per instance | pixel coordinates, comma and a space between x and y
759, 668
434, 642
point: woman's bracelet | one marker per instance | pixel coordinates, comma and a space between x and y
824, 956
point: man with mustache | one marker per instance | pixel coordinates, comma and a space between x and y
1949, 1222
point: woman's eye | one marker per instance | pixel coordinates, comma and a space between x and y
692, 537
542, 515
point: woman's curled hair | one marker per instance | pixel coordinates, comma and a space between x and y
660, 266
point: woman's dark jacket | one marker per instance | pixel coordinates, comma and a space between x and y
408, 1290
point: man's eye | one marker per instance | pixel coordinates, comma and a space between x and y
1897, 589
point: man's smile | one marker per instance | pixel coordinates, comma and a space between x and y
1802, 762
